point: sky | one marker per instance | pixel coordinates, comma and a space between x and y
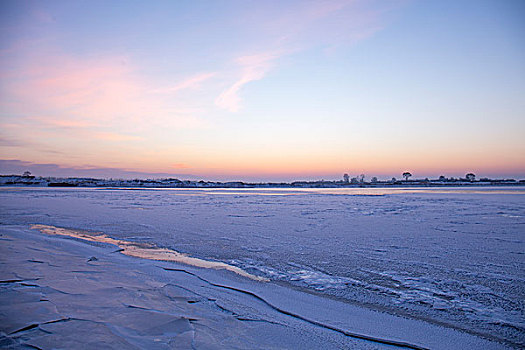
263, 90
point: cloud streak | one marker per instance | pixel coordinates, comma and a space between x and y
253, 67
61, 100
106, 90
297, 28
15, 166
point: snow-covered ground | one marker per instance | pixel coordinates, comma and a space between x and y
453, 257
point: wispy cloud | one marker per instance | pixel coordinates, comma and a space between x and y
83, 88
50, 121
85, 91
113, 136
65, 97
180, 166
253, 67
291, 29
10, 142
15, 166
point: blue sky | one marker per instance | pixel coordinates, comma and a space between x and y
265, 90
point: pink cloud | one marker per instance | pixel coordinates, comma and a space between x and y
77, 92
61, 123
97, 88
180, 166
113, 136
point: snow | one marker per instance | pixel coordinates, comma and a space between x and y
452, 257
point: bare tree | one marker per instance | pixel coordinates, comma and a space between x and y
346, 178
470, 177
406, 175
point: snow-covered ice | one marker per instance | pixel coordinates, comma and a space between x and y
448, 257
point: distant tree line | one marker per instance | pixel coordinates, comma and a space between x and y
471, 177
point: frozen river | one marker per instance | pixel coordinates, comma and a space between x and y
455, 256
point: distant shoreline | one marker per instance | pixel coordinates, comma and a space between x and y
33, 181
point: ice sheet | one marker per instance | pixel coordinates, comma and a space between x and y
452, 257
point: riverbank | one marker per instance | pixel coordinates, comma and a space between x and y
32, 181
